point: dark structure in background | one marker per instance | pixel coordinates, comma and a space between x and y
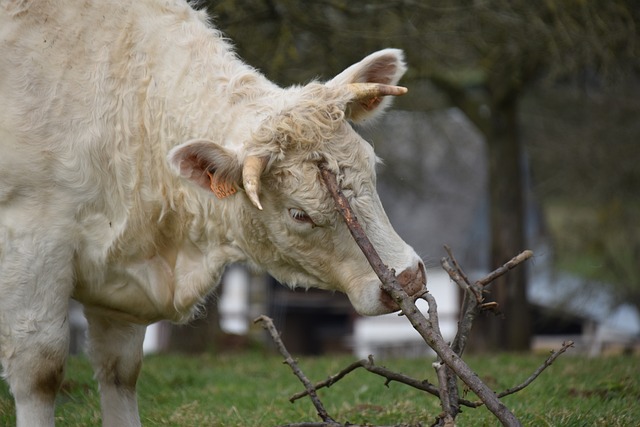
311, 321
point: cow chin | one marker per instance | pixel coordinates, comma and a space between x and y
371, 300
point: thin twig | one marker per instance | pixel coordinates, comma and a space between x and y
356, 230
468, 310
267, 323
455, 275
443, 384
455, 263
554, 355
447, 384
370, 366
310, 390
472, 304
331, 380
509, 265
425, 385
447, 380
473, 301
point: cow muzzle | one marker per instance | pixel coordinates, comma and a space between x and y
412, 280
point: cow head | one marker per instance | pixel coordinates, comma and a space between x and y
284, 218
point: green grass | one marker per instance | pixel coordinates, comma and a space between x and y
252, 389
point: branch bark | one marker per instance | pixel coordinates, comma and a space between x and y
473, 300
370, 366
554, 355
267, 323
425, 385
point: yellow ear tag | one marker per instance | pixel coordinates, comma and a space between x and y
221, 189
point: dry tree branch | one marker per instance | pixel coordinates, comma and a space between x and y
458, 275
448, 411
310, 389
408, 307
425, 385
267, 323
389, 375
331, 380
449, 365
473, 302
509, 265
370, 366
554, 355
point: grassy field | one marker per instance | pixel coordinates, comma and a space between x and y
252, 389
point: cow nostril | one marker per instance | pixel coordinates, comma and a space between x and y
413, 280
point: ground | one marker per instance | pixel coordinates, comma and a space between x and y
252, 389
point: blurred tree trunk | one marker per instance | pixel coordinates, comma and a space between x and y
507, 223
493, 107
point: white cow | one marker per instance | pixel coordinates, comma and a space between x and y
138, 157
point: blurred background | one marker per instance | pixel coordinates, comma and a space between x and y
521, 130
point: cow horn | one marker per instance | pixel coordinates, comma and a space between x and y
251, 172
365, 91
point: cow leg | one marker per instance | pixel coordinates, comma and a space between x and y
35, 285
115, 349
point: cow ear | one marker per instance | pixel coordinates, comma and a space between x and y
384, 67
208, 165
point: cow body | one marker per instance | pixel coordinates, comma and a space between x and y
126, 131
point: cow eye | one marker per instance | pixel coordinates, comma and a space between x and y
299, 215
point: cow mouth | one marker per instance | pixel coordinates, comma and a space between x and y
411, 280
